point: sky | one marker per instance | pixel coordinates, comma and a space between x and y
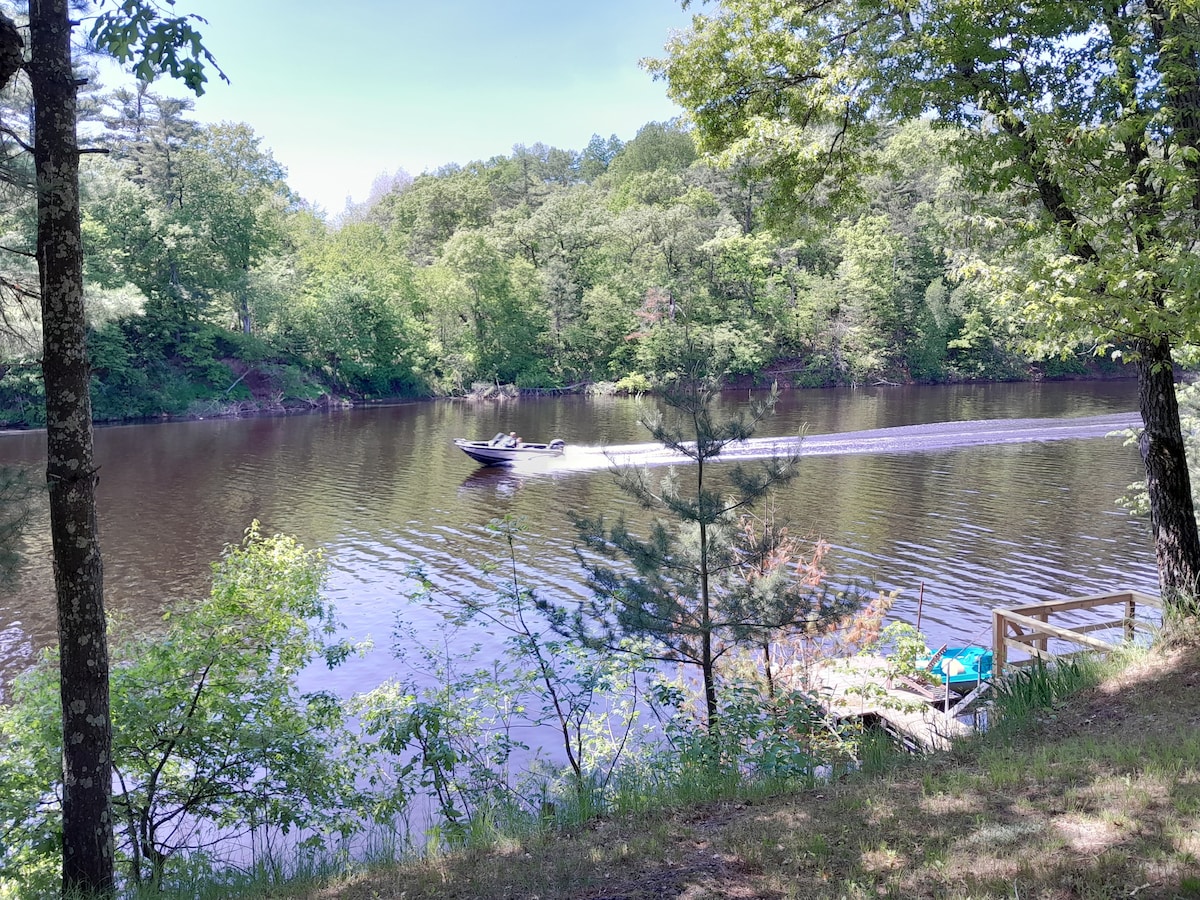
342, 93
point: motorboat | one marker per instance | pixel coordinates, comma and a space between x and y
504, 450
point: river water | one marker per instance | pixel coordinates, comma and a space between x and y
985, 495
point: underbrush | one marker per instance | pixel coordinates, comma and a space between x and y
1091, 789
1009, 813
1026, 692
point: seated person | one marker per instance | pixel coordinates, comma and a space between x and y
513, 440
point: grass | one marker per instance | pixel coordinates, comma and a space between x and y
1096, 796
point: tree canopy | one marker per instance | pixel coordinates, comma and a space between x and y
1082, 119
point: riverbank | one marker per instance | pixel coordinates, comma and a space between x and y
230, 387
1097, 797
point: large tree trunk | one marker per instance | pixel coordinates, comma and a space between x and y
71, 472
1172, 517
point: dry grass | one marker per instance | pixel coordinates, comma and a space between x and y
1098, 799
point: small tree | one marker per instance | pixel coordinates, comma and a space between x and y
687, 590
774, 581
453, 722
212, 739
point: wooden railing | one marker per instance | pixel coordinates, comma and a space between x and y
1027, 629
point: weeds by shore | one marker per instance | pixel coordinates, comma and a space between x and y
1094, 796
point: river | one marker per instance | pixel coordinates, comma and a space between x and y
985, 495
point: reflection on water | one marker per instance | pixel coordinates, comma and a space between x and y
382, 489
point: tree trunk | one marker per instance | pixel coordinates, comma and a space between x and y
770, 675
71, 472
1172, 516
707, 663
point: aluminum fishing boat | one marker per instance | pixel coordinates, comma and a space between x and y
505, 450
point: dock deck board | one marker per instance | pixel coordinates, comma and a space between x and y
858, 687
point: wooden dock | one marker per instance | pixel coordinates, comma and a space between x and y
923, 717
859, 688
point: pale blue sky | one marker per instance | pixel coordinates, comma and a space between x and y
343, 92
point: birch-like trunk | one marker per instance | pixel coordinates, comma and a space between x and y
71, 470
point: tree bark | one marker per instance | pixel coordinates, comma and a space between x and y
1172, 520
71, 472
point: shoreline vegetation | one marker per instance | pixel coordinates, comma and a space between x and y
1085, 782
268, 399
549, 270
497, 392
1094, 794
1086, 785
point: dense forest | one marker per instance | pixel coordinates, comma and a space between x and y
213, 288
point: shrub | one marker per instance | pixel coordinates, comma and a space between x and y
212, 740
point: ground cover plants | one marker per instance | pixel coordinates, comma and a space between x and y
228, 774
1093, 795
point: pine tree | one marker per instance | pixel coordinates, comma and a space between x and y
684, 585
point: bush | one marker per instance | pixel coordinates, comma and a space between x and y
634, 383
212, 740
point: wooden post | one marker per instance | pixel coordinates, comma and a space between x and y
1029, 628
999, 648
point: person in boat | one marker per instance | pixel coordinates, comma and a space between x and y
513, 440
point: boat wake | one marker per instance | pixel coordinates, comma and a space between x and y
901, 439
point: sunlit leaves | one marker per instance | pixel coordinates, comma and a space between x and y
137, 31
212, 736
1080, 106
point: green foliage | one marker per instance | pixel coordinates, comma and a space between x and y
1049, 134
687, 586
212, 739
459, 727
633, 383
784, 741
455, 722
359, 318
23, 395
901, 645
665, 146
1036, 689
120, 382
136, 374
508, 336
1136, 500
527, 269
135, 32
